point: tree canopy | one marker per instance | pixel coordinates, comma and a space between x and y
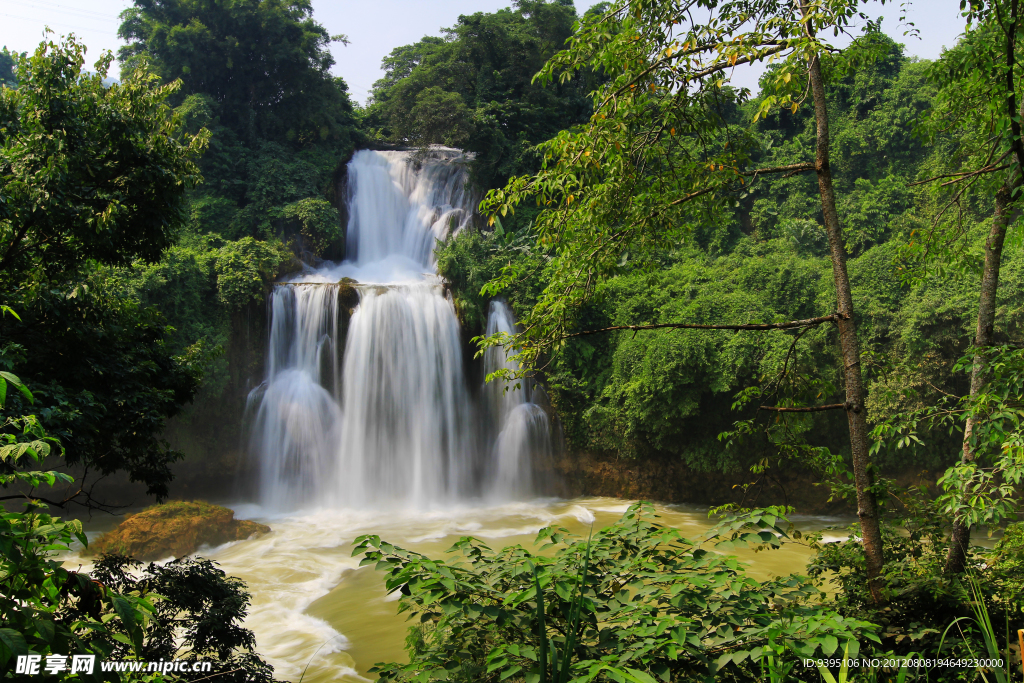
94, 177
265, 64
473, 87
88, 172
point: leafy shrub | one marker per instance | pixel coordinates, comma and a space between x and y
635, 600
1008, 566
243, 267
196, 617
44, 608
922, 599
319, 223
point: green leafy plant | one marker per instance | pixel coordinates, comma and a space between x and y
634, 602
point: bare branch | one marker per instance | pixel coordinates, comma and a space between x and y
987, 168
811, 409
792, 168
693, 326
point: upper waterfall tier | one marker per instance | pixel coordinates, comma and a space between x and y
401, 203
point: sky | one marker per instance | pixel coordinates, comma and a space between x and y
375, 27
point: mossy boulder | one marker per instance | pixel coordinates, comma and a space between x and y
348, 294
174, 529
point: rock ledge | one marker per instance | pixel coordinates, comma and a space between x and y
174, 529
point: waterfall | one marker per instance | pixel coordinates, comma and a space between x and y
522, 427
399, 205
371, 407
298, 420
406, 405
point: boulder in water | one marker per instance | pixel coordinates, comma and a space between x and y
175, 528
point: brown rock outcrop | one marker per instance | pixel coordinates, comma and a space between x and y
174, 529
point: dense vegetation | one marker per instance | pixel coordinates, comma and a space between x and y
631, 188
473, 88
764, 257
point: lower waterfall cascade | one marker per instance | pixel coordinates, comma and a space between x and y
374, 408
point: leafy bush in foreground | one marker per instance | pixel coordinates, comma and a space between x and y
650, 604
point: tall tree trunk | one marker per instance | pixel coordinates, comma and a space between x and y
867, 506
1005, 200
957, 554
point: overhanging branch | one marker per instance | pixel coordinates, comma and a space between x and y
987, 168
694, 326
809, 409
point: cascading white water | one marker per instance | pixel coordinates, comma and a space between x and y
298, 421
399, 205
406, 407
523, 428
393, 422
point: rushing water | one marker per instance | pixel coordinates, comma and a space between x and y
314, 610
309, 591
524, 440
381, 415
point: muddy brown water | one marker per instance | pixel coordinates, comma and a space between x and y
318, 616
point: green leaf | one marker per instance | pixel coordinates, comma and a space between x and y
12, 644
638, 676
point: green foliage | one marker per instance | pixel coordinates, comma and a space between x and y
264, 66
242, 269
197, 615
257, 76
104, 377
473, 258
184, 610
758, 255
474, 88
88, 171
441, 117
929, 612
1008, 565
93, 177
982, 491
320, 225
40, 601
7, 63
46, 609
634, 602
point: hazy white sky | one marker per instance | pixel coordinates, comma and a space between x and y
375, 27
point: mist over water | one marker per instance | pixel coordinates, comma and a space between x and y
380, 414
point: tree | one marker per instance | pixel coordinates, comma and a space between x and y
35, 589
196, 616
184, 610
88, 172
659, 156
7, 77
93, 177
264, 63
981, 99
473, 88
